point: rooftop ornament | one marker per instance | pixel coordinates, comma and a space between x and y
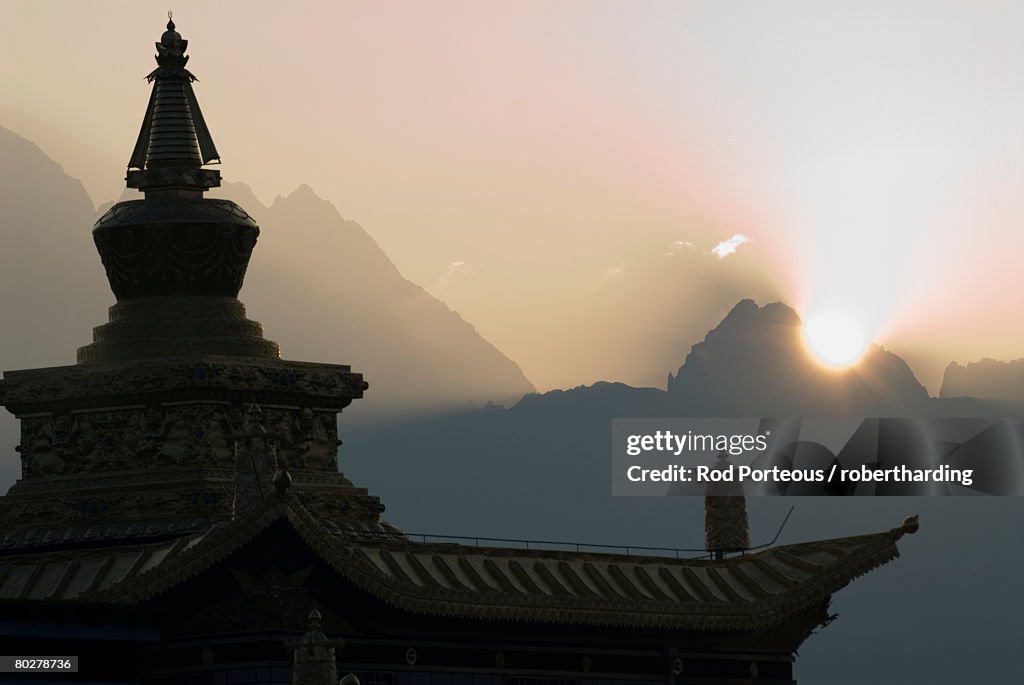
174, 142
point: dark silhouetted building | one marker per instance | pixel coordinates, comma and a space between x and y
180, 517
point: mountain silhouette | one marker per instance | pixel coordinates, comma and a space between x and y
325, 290
553, 448
755, 363
487, 458
988, 379
52, 280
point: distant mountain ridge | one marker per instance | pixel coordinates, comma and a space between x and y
326, 291
988, 379
755, 363
52, 279
320, 284
555, 445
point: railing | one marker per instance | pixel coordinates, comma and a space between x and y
556, 545
627, 550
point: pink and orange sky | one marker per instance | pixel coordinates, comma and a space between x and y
517, 159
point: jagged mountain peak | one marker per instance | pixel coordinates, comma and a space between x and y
986, 379
755, 362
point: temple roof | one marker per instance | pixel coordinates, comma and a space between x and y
747, 592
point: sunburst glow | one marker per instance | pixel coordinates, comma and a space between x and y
835, 339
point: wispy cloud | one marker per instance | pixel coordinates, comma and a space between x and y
457, 270
678, 247
728, 247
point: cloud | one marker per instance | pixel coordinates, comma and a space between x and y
728, 247
457, 270
678, 247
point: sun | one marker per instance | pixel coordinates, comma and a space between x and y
835, 339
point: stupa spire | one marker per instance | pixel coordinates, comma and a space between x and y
175, 260
174, 141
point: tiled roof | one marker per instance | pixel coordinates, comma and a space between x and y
745, 592
91, 535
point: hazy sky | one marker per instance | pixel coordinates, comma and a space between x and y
512, 157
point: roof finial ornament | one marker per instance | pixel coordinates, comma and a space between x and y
314, 656
725, 513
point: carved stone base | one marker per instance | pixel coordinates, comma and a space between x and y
162, 501
129, 446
